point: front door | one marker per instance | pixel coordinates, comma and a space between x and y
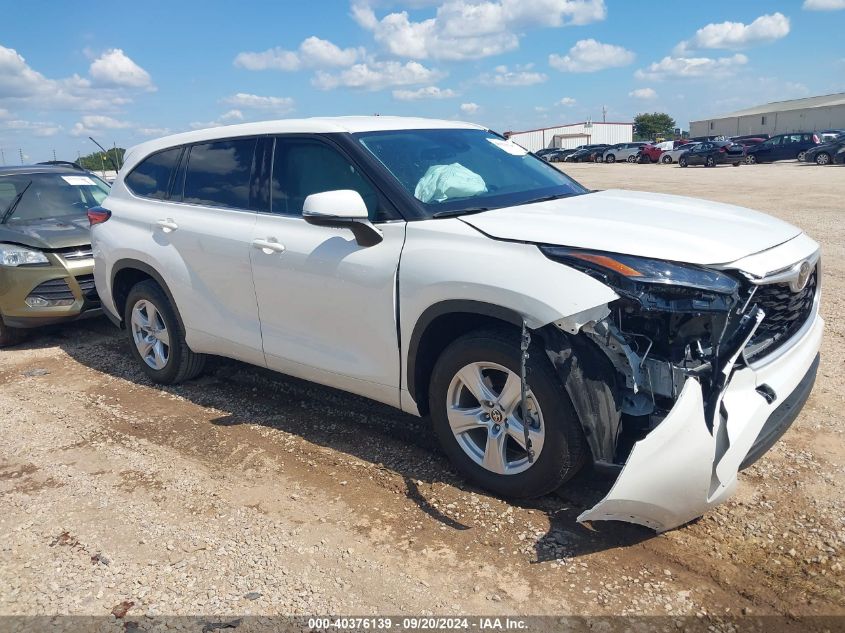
326, 298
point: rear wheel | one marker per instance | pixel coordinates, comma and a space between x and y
156, 338
632, 158
10, 335
682, 161
476, 414
610, 158
736, 163
751, 159
710, 162
801, 155
822, 158
666, 160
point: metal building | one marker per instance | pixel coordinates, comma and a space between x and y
798, 115
573, 135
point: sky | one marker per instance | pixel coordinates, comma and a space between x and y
125, 72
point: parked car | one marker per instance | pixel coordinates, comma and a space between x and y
545, 151
755, 138
782, 147
830, 135
713, 153
423, 264
823, 154
839, 157
558, 155
587, 153
649, 153
749, 141
672, 156
46, 263
621, 152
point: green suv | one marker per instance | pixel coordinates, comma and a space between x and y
46, 262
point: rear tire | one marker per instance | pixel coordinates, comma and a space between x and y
632, 158
610, 158
10, 335
710, 162
800, 157
736, 163
494, 354
822, 158
751, 159
682, 162
176, 362
666, 160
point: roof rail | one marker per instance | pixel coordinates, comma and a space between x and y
65, 163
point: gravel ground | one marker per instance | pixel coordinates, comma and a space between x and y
246, 492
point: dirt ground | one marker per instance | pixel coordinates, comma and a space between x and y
249, 492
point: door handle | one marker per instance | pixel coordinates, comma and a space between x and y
168, 225
269, 246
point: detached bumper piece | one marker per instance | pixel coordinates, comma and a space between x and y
689, 463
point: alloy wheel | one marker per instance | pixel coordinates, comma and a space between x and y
801, 155
751, 159
483, 409
149, 332
822, 159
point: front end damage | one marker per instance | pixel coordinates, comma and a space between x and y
680, 383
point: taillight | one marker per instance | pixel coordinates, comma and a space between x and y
98, 215
815, 139
723, 149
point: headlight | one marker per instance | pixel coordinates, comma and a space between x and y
642, 270
12, 255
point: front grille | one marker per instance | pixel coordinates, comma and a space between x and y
89, 291
53, 290
786, 312
79, 252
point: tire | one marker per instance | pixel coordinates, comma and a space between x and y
666, 160
751, 159
736, 163
800, 157
610, 158
632, 158
682, 161
181, 363
10, 335
710, 162
822, 158
563, 449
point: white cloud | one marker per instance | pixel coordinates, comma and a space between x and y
91, 123
588, 56
823, 5
313, 52
736, 35
691, 67
566, 102
518, 76
153, 131
36, 128
429, 92
277, 105
643, 93
471, 29
115, 68
376, 75
470, 108
232, 115
4, 114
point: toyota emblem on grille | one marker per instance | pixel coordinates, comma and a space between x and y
803, 277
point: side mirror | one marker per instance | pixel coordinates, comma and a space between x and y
342, 208
342, 205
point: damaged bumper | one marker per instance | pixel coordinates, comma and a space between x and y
689, 463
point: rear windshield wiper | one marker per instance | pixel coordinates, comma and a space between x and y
14, 204
453, 213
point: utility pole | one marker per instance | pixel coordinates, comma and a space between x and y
604, 114
2, 156
20, 152
54, 153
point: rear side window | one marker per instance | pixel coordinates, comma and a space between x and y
151, 178
218, 173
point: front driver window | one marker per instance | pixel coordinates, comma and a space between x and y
303, 166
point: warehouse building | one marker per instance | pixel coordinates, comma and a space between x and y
798, 115
573, 135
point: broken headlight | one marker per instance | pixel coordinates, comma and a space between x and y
642, 270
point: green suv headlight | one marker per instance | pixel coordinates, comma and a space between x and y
14, 255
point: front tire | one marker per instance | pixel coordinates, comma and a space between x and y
156, 337
682, 162
710, 162
10, 335
822, 158
800, 157
632, 159
666, 160
474, 402
610, 158
751, 159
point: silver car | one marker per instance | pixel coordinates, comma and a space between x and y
622, 151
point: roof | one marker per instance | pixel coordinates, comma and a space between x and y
557, 127
315, 125
822, 101
10, 170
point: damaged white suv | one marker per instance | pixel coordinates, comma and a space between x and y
439, 268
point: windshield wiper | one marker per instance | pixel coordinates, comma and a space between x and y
453, 213
555, 196
14, 204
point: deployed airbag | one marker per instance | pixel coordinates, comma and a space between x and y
443, 182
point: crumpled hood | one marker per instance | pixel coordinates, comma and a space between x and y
660, 226
48, 233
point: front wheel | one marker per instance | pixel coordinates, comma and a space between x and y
156, 338
735, 163
632, 159
682, 162
9, 335
822, 158
710, 162
800, 157
751, 159
610, 158
666, 160
476, 414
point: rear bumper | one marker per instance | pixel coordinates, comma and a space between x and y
682, 469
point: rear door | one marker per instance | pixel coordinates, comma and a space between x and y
327, 295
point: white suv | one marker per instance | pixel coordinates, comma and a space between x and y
439, 268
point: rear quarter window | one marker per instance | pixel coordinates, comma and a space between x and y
151, 177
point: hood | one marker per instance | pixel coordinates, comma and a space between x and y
653, 225
48, 233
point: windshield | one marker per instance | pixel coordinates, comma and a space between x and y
465, 170
51, 195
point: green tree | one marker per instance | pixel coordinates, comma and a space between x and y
96, 161
650, 126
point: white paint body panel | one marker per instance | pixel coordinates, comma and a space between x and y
654, 225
